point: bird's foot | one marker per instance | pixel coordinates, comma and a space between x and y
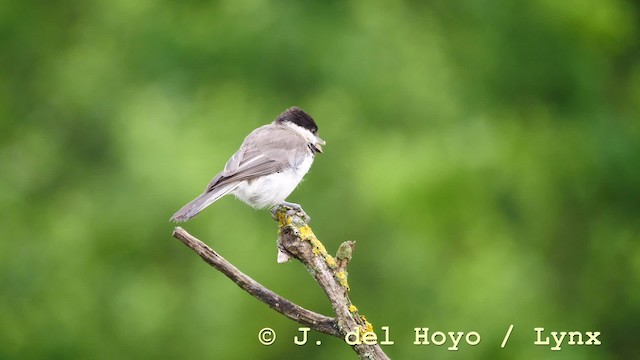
291, 209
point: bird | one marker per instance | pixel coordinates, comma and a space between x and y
271, 162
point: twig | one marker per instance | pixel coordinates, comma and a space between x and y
294, 312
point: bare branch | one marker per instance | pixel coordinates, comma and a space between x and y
294, 312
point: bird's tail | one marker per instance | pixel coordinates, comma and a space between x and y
198, 204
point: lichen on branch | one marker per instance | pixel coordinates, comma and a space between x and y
296, 239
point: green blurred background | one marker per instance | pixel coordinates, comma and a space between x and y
484, 155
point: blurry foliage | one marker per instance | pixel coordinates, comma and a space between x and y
485, 157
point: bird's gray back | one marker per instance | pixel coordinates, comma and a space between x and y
266, 150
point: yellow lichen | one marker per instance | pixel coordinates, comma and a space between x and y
283, 219
342, 278
330, 261
306, 233
318, 248
353, 308
368, 327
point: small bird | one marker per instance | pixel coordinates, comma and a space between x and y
266, 169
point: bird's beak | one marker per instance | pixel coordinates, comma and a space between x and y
318, 144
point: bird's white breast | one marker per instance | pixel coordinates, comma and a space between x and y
270, 190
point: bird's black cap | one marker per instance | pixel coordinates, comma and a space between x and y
299, 117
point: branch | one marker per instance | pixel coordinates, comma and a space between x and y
294, 312
296, 239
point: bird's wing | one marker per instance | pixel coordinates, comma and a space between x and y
265, 151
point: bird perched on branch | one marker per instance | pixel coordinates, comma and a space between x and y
266, 169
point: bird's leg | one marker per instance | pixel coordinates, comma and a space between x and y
293, 208
296, 208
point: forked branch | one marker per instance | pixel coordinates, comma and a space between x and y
296, 239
